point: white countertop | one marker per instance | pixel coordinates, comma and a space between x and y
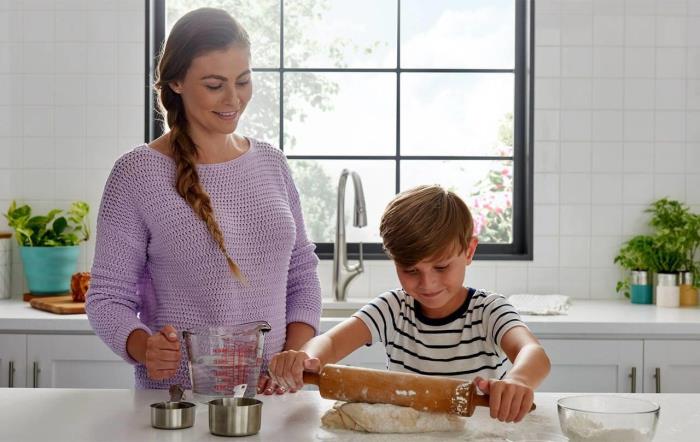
124, 415
586, 318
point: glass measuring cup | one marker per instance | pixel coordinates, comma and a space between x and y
225, 361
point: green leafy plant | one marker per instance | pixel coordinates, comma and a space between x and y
635, 255
52, 229
670, 249
678, 236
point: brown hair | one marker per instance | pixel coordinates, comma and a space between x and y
425, 222
196, 33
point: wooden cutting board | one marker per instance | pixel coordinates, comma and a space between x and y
62, 305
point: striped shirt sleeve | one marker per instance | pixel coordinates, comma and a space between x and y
378, 316
499, 316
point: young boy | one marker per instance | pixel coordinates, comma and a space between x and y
433, 325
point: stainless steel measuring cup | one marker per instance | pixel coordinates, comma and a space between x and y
239, 416
173, 414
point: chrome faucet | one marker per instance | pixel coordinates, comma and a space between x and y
343, 273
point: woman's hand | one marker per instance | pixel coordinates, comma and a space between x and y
510, 399
267, 386
287, 368
163, 354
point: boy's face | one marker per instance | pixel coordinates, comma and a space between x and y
437, 284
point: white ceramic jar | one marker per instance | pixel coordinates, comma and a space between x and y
668, 293
5, 265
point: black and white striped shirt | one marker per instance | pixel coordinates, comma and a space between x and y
464, 344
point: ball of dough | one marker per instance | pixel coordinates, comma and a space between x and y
384, 418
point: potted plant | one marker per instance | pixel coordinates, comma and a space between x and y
678, 233
667, 261
635, 257
49, 244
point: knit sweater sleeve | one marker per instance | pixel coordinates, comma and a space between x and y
113, 300
303, 286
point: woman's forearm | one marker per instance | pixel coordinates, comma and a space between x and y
530, 366
136, 345
298, 334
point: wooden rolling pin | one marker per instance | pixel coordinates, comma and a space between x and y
420, 392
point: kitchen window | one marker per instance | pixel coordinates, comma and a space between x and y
404, 92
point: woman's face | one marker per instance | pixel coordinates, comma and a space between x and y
216, 89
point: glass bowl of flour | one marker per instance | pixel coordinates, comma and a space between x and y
603, 418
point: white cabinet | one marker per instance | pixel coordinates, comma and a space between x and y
373, 356
75, 361
594, 365
13, 360
64, 361
671, 366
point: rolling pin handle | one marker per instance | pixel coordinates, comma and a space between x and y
311, 378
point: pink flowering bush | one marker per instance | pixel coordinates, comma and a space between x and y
492, 198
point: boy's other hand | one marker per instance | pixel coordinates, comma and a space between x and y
510, 399
287, 368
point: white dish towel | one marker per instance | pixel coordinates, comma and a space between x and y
540, 304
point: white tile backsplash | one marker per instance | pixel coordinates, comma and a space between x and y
671, 31
606, 220
608, 30
640, 62
669, 186
575, 188
608, 125
575, 125
576, 61
670, 94
640, 31
546, 251
576, 93
692, 125
692, 182
670, 62
575, 219
617, 124
639, 126
576, 30
606, 188
546, 219
639, 93
547, 125
606, 157
608, 62
575, 157
607, 93
575, 282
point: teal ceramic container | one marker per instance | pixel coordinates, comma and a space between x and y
641, 290
48, 269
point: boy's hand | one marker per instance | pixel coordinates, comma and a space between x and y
510, 399
287, 368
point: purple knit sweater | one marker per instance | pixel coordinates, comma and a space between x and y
156, 263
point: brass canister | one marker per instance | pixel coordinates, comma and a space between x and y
688, 292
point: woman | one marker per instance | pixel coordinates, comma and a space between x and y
202, 226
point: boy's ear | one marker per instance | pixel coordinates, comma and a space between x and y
471, 249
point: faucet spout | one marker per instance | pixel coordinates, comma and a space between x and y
343, 272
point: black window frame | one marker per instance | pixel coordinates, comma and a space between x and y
523, 113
